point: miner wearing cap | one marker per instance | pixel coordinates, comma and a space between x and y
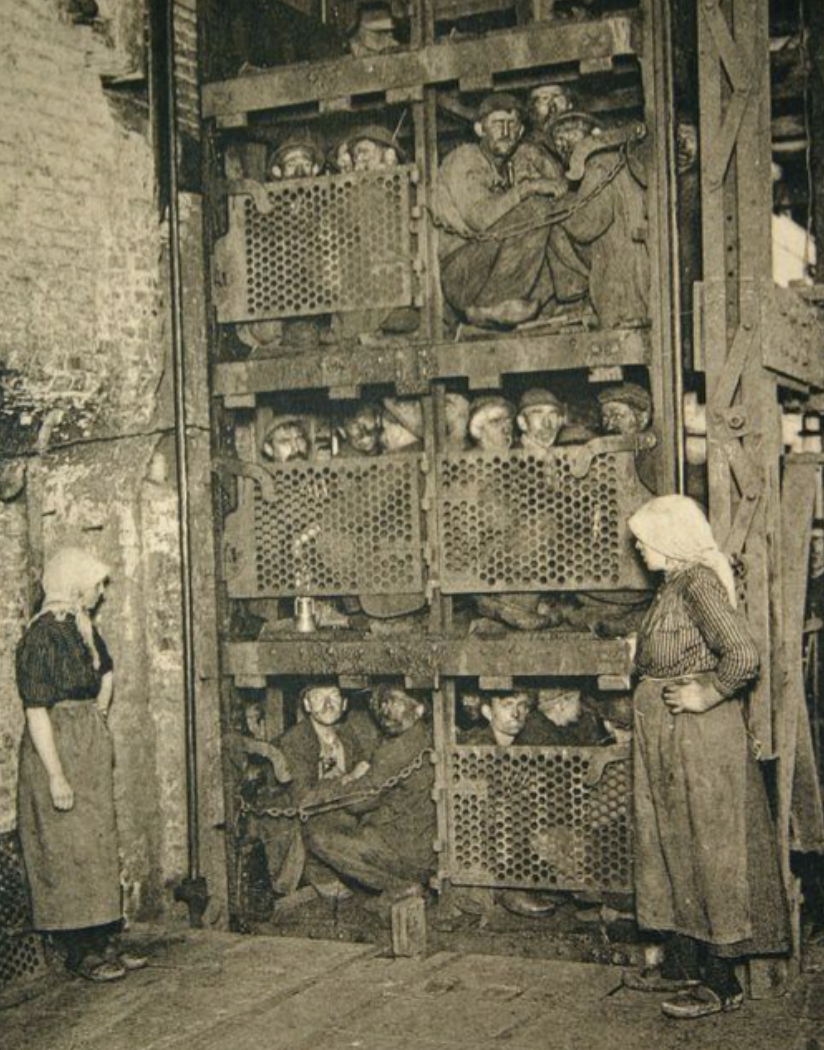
299, 156
546, 103
374, 148
367, 150
383, 839
608, 230
494, 242
543, 422
627, 409
402, 431
286, 439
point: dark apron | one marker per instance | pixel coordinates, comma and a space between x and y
706, 863
71, 856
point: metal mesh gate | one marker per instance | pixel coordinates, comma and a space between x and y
539, 817
325, 245
519, 522
345, 527
21, 953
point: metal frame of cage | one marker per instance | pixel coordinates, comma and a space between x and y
541, 818
321, 245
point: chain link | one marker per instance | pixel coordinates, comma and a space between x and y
303, 813
553, 219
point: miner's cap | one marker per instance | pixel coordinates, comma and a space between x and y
500, 102
626, 394
538, 397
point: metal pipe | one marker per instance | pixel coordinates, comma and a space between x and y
192, 891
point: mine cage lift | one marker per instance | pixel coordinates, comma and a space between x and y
293, 266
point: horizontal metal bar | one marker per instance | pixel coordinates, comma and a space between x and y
533, 46
512, 654
411, 366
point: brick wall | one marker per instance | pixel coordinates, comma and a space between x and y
84, 346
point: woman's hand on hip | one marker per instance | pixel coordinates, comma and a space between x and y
61, 793
690, 696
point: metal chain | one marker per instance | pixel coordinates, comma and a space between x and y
554, 219
303, 813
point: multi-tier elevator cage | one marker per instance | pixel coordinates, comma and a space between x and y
437, 525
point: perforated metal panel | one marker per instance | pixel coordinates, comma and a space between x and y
529, 817
346, 527
328, 245
21, 953
518, 522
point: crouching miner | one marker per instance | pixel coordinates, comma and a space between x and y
383, 839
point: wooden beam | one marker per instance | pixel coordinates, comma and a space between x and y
534, 46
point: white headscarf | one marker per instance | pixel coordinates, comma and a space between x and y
677, 527
68, 577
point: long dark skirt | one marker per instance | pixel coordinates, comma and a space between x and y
71, 857
706, 860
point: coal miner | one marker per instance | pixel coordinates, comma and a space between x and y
383, 840
546, 103
543, 422
325, 747
627, 409
299, 156
608, 229
360, 431
495, 240
456, 409
374, 148
507, 715
286, 439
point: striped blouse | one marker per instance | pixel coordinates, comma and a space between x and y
692, 628
53, 663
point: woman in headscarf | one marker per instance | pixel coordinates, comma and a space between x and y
706, 868
66, 789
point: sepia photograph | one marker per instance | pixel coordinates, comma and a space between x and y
412, 515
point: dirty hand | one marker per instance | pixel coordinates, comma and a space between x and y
690, 696
360, 770
61, 793
279, 764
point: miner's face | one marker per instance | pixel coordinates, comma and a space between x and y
495, 432
500, 132
325, 705
507, 714
547, 103
363, 430
343, 158
296, 163
286, 443
457, 420
372, 156
619, 418
568, 135
561, 708
542, 423
399, 712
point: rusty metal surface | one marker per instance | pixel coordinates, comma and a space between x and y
532, 46
539, 817
323, 245
511, 653
519, 522
344, 527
